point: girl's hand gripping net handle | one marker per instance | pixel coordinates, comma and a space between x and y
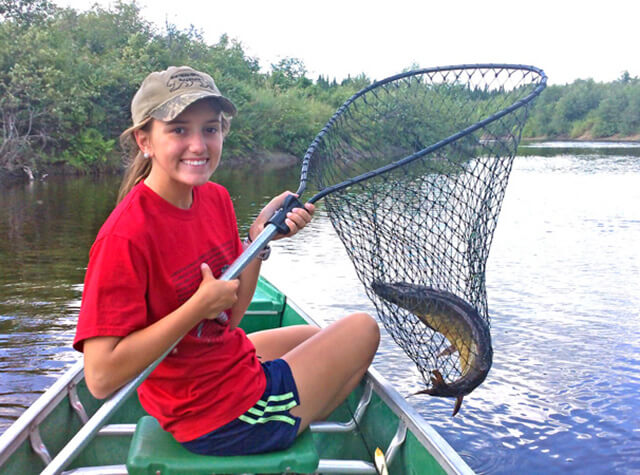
275, 225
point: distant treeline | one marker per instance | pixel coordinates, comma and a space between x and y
67, 79
587, 109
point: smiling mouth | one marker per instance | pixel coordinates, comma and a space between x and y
195, 162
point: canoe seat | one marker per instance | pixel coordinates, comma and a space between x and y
154, 451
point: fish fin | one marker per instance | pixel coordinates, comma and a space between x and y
437, 379
448, 351
424, 391
457, 406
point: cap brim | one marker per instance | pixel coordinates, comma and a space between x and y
175, 106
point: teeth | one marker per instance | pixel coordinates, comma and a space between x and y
195, 162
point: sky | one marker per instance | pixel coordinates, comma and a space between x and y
568, 39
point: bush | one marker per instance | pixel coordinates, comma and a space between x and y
89, 151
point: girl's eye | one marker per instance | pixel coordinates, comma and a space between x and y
211, 130
178, 130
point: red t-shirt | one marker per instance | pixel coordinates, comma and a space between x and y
144, 264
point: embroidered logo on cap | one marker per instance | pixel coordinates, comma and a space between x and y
187, 80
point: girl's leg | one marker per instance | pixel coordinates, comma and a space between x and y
330, 364
273, 344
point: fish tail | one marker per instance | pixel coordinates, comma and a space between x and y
438, 385
456, 408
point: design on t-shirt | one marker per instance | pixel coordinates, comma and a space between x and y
187, 279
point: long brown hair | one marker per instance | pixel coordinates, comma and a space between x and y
138, 166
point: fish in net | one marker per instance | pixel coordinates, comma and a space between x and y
413, 170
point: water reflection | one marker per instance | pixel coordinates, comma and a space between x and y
576, 146
563, 279
580, 149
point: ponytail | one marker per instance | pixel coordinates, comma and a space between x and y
137, 170
138, 166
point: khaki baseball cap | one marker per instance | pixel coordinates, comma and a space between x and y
163, 95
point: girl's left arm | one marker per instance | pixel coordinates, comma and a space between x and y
296, 219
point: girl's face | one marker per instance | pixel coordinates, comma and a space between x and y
185, 151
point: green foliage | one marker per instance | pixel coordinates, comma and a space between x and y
586, 109
289, 73
26, 12
277, 121
67, 79
88, 151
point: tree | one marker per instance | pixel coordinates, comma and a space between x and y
288, 73
26, 12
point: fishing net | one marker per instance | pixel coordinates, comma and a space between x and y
432, 150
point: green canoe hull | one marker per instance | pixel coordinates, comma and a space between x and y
51, 422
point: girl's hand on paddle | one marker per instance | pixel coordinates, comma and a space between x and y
213, 295
296, 219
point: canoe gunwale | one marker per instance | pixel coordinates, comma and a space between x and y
30, 420
437, 446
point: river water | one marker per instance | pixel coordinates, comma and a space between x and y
563, 281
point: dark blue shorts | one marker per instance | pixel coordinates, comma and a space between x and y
266, 427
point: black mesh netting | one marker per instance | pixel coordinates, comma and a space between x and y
419, 234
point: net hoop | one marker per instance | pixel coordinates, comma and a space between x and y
542, 83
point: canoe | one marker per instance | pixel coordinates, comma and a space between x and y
374, 416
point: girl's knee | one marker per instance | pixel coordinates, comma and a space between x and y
366, 327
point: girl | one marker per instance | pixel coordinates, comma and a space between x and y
152, 279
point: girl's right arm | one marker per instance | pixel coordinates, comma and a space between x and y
110, 361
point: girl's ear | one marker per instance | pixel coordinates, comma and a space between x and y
143, 140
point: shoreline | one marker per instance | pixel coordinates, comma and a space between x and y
583, 138
262, 160
271, 160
